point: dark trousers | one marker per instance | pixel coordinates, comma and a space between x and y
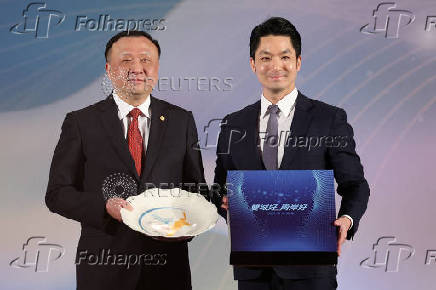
271, 281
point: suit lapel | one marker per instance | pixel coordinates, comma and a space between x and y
159, 120
246, 152
114, 130
299, 126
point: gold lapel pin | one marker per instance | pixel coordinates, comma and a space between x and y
162, 118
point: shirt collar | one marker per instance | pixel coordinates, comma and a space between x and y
285, 105
125, 108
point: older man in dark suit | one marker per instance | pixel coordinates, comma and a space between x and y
130, 134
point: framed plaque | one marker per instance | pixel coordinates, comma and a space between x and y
282, 217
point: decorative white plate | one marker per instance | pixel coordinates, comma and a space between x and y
170, 213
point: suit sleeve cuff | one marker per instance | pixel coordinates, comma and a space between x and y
350, 218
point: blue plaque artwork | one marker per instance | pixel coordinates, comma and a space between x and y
282, 217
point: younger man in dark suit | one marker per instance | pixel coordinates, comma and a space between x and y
273, 133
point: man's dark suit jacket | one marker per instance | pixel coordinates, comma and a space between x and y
92, 146
239, 149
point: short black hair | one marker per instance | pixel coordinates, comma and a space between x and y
129, 33
275, 26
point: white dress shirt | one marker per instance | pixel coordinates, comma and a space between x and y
285, 115
144, 120
287, 107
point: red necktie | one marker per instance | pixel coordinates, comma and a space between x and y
135, 140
